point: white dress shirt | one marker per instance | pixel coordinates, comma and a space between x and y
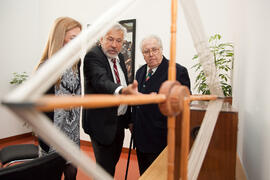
122, 108
153, 70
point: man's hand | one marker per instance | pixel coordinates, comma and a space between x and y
131, 89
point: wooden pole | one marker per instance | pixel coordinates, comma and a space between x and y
172, 68
172, 77
50, 102
171, 147
203, 97
185, 139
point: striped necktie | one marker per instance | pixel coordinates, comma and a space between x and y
116, 71
149, 74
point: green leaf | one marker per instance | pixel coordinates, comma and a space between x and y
223, 56
18, 78
195, 57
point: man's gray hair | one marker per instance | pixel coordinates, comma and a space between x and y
117, 27
152, 37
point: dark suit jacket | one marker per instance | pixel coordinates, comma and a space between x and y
101, 123
150, 126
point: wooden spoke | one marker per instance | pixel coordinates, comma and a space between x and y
171, 148
50, 102
172, 68
203, 97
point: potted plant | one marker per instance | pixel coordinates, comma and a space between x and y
18, 78
223, 57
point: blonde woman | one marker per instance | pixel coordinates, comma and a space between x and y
63, 31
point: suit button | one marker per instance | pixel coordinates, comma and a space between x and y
144, 85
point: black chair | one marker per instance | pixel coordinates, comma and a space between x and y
18, 153
48, 167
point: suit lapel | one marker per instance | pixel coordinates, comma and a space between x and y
105, 60
100, 53
141, 78
160, 71
154, 80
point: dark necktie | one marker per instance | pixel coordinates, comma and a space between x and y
116, 71
149, 74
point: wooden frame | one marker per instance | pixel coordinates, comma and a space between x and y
128, 49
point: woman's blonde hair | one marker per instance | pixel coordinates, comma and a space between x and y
56, 38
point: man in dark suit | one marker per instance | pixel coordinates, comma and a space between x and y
150, 126
105, 73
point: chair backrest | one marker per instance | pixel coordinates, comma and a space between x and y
18, 152
48, 167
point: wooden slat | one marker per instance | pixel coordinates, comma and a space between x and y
158, 169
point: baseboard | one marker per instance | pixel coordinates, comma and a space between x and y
126, 150
85, 143
17, 137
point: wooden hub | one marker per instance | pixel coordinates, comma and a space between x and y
175, 94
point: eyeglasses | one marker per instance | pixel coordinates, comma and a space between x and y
148, 51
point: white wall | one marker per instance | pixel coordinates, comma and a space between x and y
26, 23
20, 46
252, 28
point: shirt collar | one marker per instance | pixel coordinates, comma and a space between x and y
117, 59
153, 69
